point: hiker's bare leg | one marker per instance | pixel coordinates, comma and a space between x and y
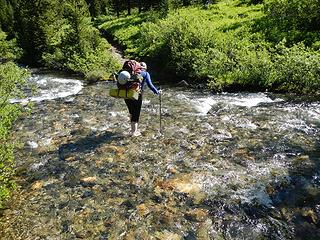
134, 129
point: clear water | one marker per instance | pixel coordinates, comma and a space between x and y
226, 166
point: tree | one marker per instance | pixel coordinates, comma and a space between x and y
97, 7
6, 15
29, 17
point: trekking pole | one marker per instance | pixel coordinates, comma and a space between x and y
160, 110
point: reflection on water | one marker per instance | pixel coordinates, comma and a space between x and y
227, 166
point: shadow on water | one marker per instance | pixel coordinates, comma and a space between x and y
299, 199
64, 162
295, 198
85, 145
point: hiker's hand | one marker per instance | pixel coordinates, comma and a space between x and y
160, 91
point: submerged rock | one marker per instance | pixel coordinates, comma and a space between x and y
165, 235
37, 185
197, 215
310, 215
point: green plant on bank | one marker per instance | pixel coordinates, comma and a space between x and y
295, 69
227, 44
8, 49
11, 76
125, 30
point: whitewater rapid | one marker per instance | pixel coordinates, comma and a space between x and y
42, 88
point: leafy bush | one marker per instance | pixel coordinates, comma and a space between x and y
8, 49
300, 14
10, 77
204, 46
126, 31
296, 69
77, 45
251, 1
250, 70
295, 20
97, 64
224, 45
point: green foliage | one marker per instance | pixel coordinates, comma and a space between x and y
126, 31
6, 15
300, 14
60, 35
295, 69
77, 45
10, 78
201, 44
97, 7
224, 45
295, 20
164, 8
8, 49
30, 36
251, 1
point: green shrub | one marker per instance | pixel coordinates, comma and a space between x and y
296, 69
299, 14
207, 47
8, 49
224, 45
251, 1
10, 78
294, 20
60, 35
97, 63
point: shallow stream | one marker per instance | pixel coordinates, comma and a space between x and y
225, 166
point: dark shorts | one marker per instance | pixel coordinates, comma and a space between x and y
134, 107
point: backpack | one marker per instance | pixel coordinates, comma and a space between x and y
132, 66
134, 69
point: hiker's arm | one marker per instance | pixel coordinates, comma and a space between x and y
150, 85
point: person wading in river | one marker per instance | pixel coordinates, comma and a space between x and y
134, 106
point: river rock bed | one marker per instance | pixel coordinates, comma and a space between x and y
227, 166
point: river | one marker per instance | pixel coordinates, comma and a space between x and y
225, 166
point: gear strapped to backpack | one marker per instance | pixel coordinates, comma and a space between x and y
134, 69
128, 81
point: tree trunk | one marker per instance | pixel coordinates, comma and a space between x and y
129, 7
118, 8
139, 6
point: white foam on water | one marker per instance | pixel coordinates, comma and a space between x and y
204, 105
117, 114
46, 141
248, 125
297, 124
251, 100
49, 88
314, 113
145, 101
181, 96
33, 144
